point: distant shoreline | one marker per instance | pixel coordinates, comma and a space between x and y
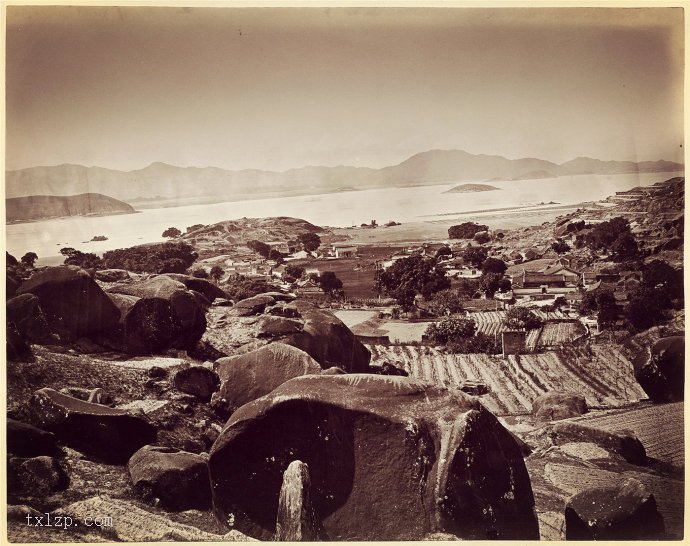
94, 215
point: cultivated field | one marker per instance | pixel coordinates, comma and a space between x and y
605, 378
557, 333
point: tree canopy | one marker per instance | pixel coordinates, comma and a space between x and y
171, 232
330, 284
309, 241
494, 265
466, 230
29, 259
170, 257
475, 255
519, 318
411, 276
450, 329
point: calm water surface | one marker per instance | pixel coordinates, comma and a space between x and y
335, 209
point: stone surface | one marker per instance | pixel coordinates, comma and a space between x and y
282, 309
624, 443
185, 306
274, 327
147, 325
197, 381
130, 523
17, 348
112, 275
249, 376
109, 434
661, 372
556, 405
73, 304
390, 458
253, 305
26, 313
170, 478
24, 440
626, 512
329, 341
209, 290
297, 520
35, 476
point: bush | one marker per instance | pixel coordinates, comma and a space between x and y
154, 258
519, 318
479, 343
451, 329
239, 287
310, 241
171, 232
411, 276
475, 255
445, 302
466, 230
200, 273
217, 272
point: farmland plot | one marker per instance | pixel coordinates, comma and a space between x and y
604, 377
557, 333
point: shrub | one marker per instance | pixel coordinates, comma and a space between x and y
239, 287
168, 257
200, 273
479, 343
519, 318
451, 329
171, 232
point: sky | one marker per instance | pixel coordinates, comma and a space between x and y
280, 88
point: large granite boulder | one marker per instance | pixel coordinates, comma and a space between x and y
625, 512
35, 476
26, 313
174, 479
249, 376
624, 443
209, 290
73, 304
147, 325
109, 434
197, 381
26, 440
328, 340
17, 349
187, 309
556, 405
112, 275
390, 458
252, 306
661, 372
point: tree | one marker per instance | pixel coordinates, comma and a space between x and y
450, 329
660, 275
200, 273
489, 283
560, 246
475, 255
171, 232
330, 283
444, 251
494, 265
238, 287
602, 302
310, 241
194, 227
276, 255
169, 257
644, 308
411, 276
86, 260
29, 259
262, 249
216, 272
294, 271
625, 247
519, 318
478, 343
466, 230
445, 302
468, 288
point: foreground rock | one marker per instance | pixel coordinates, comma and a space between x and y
112, 435
555, 405
206, 288
173, 479
35, 476
624, 443
17, 349
73, 304
626, 512
26, 440
246, 377
147, 325
112, 275
661, 373
197, 381
390, 458
186, 308
297, 520
26, 313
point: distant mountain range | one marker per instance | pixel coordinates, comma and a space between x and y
163, 181
41, 207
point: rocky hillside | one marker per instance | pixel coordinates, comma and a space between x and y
471, 188
42, 207
232, 235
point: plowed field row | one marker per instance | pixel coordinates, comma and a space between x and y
605, 378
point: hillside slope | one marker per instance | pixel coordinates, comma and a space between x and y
41, 207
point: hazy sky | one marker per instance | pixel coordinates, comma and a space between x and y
281, 88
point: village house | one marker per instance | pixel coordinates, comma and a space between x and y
541, 286
280, 246
345, 251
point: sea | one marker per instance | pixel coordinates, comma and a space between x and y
341, 209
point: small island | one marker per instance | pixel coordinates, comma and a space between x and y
471, 188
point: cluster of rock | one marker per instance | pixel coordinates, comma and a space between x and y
317, 445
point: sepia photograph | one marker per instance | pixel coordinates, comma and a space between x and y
344, 273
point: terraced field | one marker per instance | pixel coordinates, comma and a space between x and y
557, 333
658, 427
603, 376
